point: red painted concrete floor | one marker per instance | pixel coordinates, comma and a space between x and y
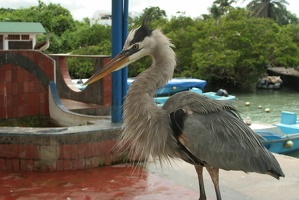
175, 180
121, 182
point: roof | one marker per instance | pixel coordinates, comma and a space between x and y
21, 27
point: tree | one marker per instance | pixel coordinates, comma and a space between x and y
94, 40
220, 7
239, 46
182, 32
80, 68
150, 14
54, 17
156, 18
274, 9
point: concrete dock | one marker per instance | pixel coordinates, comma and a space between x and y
237, 185
177, 180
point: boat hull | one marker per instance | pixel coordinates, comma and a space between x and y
275, 140
176, 85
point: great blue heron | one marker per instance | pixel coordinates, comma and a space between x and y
201, 131
43, 45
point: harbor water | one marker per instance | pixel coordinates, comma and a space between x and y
274, 100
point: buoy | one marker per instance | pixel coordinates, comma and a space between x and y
260, 107
267, 110
289, 144
247, 103
247, 121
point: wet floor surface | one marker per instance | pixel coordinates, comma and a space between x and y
125, 182
120, 182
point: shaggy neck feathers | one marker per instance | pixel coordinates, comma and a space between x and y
144, 122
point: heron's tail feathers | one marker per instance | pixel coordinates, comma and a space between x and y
274, 167
276, 173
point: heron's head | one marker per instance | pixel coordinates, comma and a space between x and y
139, 43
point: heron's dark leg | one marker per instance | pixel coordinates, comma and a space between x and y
202, 194
214, 173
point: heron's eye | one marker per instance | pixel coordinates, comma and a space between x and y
135, 46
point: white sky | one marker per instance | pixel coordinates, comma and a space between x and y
86, 8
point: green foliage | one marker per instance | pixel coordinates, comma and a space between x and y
274, 9
83, 67
227, 47
220, 7
182, 31
150, 14
228, 50
157, 19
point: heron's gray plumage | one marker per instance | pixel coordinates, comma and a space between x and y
204, 132
216, 135
144, 123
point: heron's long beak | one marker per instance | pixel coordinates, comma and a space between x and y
118, 62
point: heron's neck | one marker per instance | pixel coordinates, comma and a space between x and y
139, 101
160, 72
144, 123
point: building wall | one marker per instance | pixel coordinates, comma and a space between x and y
6, 40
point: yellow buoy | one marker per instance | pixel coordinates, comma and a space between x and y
267, 110
247, 103
260, 107
289, 144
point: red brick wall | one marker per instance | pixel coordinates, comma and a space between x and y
97, 93
24, 80
28, 157
21, 92
63, 149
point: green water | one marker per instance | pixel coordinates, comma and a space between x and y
276, 100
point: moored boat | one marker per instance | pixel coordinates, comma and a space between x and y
176, 85
269, 82
220, 95
282, 137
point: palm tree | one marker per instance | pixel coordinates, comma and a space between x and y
274, 9
224, 3
219, 7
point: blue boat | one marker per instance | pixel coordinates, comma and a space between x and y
216, 96
213, 95
176, 85
282, 137
161, 100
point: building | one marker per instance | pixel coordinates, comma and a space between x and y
19, 35
104, 17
